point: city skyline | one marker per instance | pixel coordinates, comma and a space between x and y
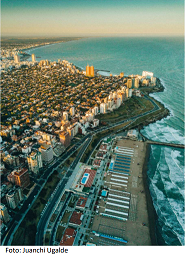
92, 18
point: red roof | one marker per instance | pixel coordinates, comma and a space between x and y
81, 202
97, 162
76, 218
68, 237
103, 147
92, 174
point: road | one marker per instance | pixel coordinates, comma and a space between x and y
51, 203
17, 219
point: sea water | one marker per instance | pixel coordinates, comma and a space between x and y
163, 57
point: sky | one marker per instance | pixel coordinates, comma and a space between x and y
92, 17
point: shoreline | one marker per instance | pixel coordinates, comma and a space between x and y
48, 44
152, 215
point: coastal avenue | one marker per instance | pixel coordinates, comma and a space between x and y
19, 217
57, 196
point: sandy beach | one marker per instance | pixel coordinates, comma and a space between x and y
139, 227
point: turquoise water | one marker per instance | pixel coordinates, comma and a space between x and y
163, 57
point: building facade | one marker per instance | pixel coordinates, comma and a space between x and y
4, 213
22, 178
35, 161
46, 153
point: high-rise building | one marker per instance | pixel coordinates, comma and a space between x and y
147, 74
22, 178
35, 161
72, 111
47, 153
33, 57
136, 82
91, 71
129, 83
4, 213
153, 80
95, 110
127, 92
87, 70
103, 108
65, 116
65, 139
12, 160
16, 58
121, 74
12, 198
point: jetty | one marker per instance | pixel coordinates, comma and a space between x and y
165, 144
161, 143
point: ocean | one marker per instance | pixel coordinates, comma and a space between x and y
165, 58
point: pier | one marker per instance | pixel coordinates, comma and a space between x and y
161, 143
165, 144
97, 70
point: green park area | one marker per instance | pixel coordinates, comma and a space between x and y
26, 233
129, 108
65, 217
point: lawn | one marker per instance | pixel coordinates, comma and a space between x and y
72, 201
65, 217
60, 231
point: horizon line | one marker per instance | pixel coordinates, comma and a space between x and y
87, 36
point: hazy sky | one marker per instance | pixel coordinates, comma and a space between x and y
92, 17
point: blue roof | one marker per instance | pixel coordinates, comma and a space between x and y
104, 193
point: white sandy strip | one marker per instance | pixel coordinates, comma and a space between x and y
119, 191
116, 200
113, 216
118, 212
124, 148
123, 197
124, 181
118, 172
116, 183
119, 176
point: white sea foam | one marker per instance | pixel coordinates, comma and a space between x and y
162, 208
160, 131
